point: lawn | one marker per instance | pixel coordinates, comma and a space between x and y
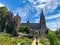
9, 40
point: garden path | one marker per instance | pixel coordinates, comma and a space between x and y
34, 42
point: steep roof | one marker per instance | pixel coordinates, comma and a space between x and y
32, 25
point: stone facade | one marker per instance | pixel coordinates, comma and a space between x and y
17, 21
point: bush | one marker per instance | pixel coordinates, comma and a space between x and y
36, 32
24, 29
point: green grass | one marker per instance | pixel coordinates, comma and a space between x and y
44, 41
7, 39
26, 41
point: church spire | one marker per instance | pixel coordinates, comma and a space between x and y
28, 21
42, 17
42, 20
17, 14
43, 27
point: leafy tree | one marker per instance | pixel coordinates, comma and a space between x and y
52, 38
14, 31
9, 25
3, 11
57, 31
3, 14
27, 30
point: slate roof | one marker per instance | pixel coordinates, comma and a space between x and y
32, 25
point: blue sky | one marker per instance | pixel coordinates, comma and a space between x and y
31, 9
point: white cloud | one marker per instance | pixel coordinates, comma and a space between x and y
41, 1
31, 0
40, 6
54, 16
53, 25
34, 3
47, 5
51, 6
2, 5
22, 11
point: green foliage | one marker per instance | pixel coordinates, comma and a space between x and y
52, 38
3, 11
24, 29
5, 40
36, 32
6, 21
9, 40
26, 41
17, 40
57, 31
3, 14
44, 41
27, 30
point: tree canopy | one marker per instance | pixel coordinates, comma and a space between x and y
3, 14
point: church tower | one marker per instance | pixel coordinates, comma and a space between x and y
43, 27
17, 20
42, 20
28, 23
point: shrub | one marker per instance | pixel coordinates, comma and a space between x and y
24, 29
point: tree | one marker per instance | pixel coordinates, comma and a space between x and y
27, 30
52, 38
57, 31
3, 14
9, 21
10, 26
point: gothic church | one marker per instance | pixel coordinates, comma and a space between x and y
41, 26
